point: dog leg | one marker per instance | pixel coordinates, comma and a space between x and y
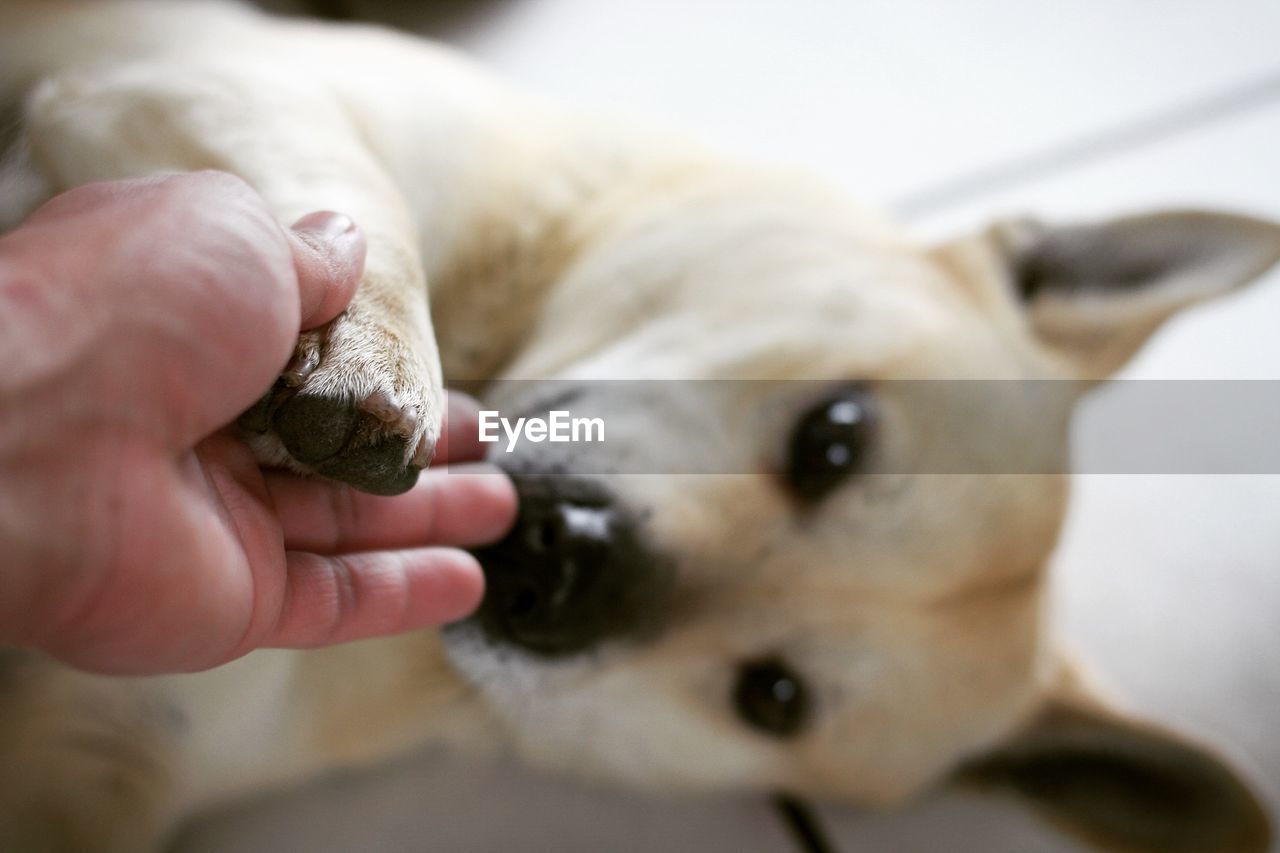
90, 764
362, 400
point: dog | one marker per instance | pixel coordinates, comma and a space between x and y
833, 607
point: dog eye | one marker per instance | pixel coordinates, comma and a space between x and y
829, 442
771, 698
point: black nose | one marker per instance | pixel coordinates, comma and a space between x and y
572, 573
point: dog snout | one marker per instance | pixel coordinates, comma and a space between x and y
569, 544
573, 572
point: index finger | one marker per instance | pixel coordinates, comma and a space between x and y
469, 505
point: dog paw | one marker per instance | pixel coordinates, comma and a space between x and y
355, 404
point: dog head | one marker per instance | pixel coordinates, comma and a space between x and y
802, 560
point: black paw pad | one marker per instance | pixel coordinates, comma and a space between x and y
342, 443
378, 468
314, 428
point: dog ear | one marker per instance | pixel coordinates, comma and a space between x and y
1123, 784
1097, 292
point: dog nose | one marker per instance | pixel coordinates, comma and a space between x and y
571, 545
571, 573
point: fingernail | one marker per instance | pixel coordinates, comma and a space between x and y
325, 225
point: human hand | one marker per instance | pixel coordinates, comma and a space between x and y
136, 319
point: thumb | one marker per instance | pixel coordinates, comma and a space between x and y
328, 254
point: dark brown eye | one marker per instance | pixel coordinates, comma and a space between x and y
829, 442
771, 698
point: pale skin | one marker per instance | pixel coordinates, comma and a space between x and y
137, 320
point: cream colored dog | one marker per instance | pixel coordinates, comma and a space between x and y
835, 617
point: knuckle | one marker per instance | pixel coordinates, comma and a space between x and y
220, 181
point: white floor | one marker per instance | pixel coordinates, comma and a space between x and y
952, 113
